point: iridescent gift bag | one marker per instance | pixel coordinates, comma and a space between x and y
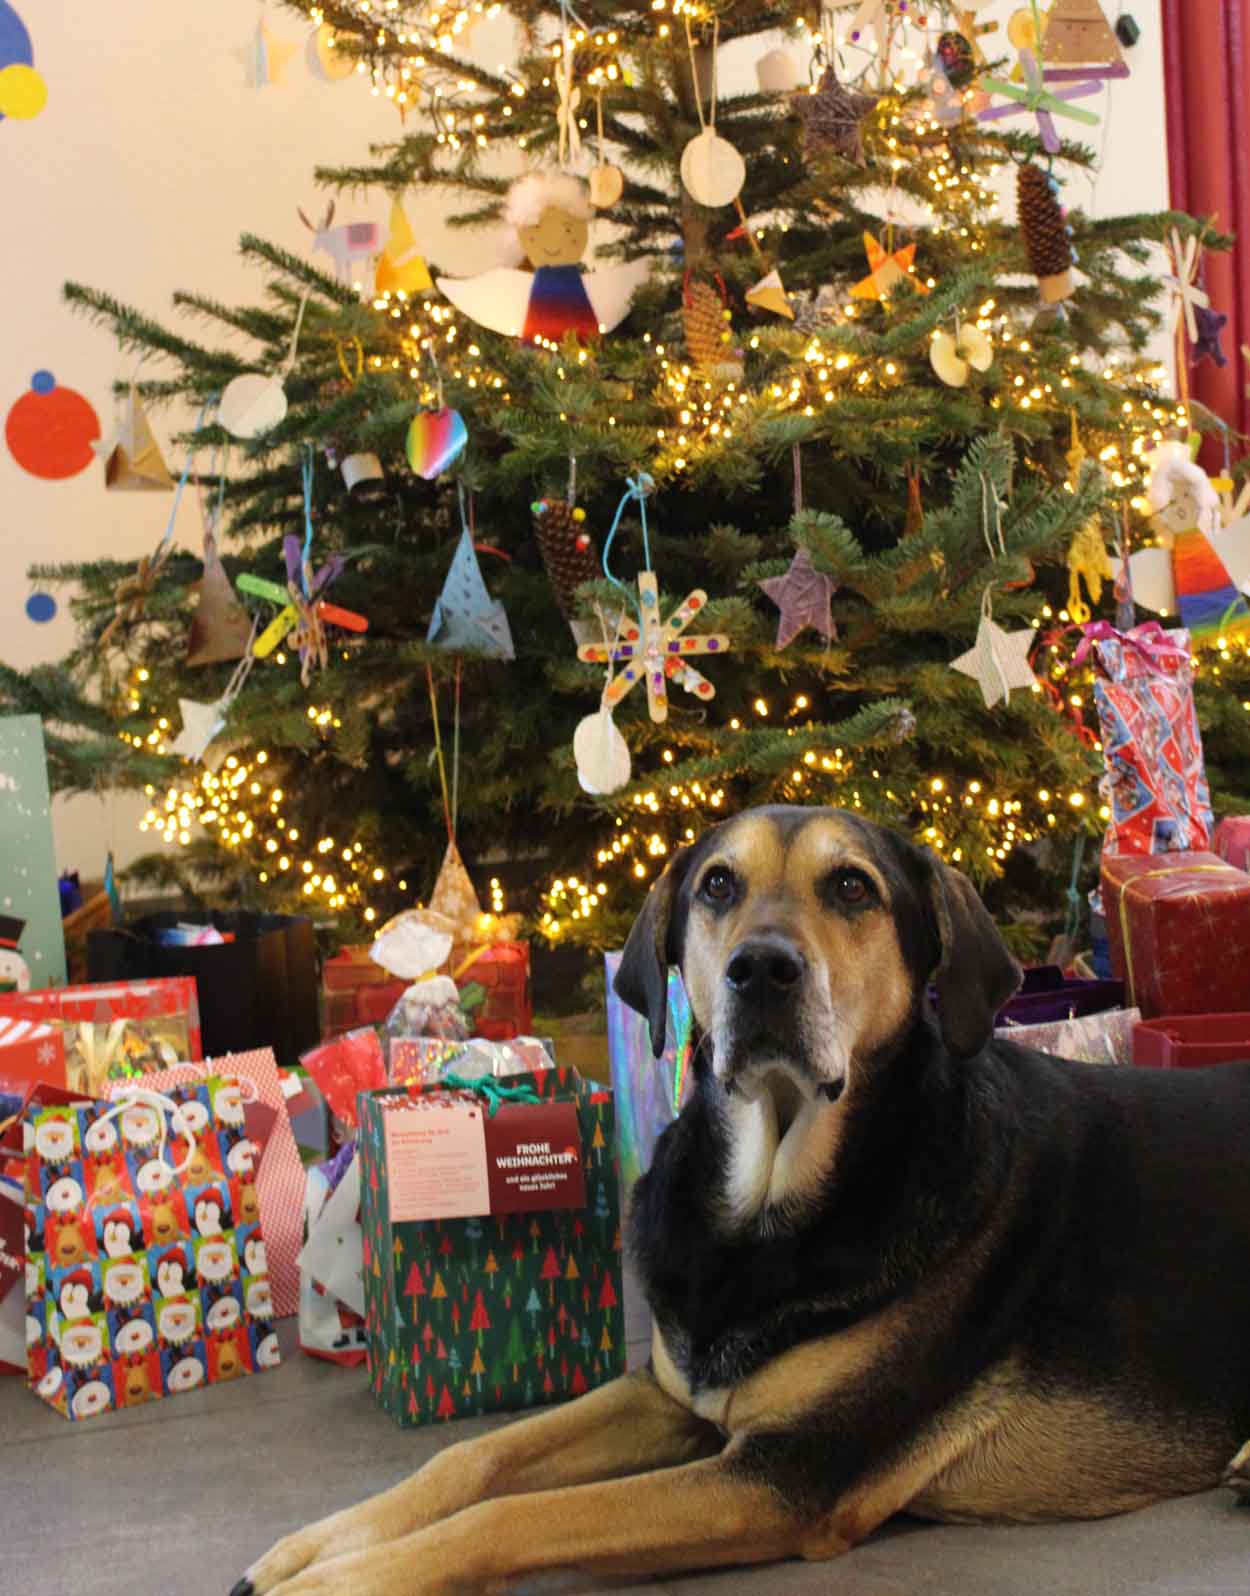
649, 1091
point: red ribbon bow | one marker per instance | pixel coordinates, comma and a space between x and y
1150, 640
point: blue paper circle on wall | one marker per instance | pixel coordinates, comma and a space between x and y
41, 608
43, 381
14, 38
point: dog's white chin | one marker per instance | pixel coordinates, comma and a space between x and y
782, 1138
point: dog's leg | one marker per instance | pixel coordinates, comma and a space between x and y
1237, 1474
627, 1427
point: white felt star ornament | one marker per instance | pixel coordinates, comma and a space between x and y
200, 724
998, 661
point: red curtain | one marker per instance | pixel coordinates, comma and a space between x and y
1207, 84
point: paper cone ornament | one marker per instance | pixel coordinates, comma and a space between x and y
465, 616
1078, 34
133, 461
768, 294
453, 896
220, 627
401, 266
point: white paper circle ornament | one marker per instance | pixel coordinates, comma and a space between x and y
252, 404
777, 72
712, 169
602, 754
606, 184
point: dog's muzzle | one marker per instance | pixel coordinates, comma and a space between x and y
765, 979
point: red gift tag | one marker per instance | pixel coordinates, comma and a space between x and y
534, 1158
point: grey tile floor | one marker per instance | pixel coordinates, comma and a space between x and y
181, 1495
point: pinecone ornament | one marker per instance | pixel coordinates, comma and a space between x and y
566, 550
1045, 233
705, 317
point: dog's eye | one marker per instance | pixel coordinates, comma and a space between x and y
718, 885
851, 886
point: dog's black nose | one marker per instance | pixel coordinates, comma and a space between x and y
765, 970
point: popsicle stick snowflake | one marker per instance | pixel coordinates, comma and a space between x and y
1182, 284
1045, 104
657, 652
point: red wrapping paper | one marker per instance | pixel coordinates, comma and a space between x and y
1232, 841
504, 970
1179, 929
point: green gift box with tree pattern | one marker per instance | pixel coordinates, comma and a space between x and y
490, 1211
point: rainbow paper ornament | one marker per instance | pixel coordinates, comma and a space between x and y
435, 438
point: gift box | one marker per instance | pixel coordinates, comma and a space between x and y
1104, 1038
507, 1300
259, 989
420, 1060
1046, 995
352, 968
1179, 928
30, 1052
1156, 780
1232, 841
264, 1159
1191, 1041
503, 969
146, 1273
114, 1030
649, 1092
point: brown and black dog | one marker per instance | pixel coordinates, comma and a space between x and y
893, 1264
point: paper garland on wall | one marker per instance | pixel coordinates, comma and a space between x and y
23, 92
265, 58
51, 430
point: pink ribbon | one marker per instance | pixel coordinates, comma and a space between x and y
1150, 640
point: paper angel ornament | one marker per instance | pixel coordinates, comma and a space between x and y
133, 461
1202, 569
465, 616
551, 215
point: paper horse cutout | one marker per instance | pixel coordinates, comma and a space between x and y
658, 652
548, 302
133, 461
465, 616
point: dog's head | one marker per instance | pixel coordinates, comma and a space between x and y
806, 939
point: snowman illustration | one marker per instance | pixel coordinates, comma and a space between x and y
14, 971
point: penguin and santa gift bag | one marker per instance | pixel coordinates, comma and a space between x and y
145, 1267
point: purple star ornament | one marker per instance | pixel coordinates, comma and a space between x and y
802, 595
1210, 324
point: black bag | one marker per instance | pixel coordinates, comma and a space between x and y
260, 990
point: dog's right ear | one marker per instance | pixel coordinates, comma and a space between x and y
642, 977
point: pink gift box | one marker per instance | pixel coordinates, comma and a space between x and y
1232, 841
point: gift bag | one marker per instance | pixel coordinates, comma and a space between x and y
1105, 1038
332, 1293
146, 1272
511, 1297
257, 989
1156, 781
648, 1092
264, 1158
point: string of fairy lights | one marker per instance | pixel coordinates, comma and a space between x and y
407, 57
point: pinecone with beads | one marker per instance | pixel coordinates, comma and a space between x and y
566, 550
705, 317
1045, 233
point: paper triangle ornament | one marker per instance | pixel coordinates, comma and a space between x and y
133, 461
453, 896
769, 294
1078, 34
220, 627
465, 616
401, 265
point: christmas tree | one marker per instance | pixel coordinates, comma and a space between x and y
836, 390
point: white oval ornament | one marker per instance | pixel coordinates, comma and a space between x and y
606, 185
712, 170
252, 404
777, 72
602, 754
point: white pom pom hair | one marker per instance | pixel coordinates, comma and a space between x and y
530, 196
1172, 471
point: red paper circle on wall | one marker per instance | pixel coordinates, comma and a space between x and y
50, 430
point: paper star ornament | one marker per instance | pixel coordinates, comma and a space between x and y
465, 616
886, 271
1182, 281
265, 56
201, 723
831, 114
998, 661
802, 595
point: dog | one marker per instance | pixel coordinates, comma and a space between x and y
893, 1264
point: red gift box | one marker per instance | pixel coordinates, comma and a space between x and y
504, 970
1191, 1041
113, 1028
1232, 841
1179, 929
352, 968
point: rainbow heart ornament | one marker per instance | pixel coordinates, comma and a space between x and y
435, 438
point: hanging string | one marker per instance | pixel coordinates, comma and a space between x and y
307, 465
438, 753
796, 463
710, 121
455, 755
192, 449
989, 496
636, 491
295, 332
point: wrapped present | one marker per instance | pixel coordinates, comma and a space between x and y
503, 969
649, 1092
30, 1051
1232, 841
511, 1297
257, 989
264, 1161
1191, 1041
1104, 1038
114, 1030
342, 1068
146, 1273
420, 1060
332, 1293
1047, 995
1179, 928
352, 968
1156, 780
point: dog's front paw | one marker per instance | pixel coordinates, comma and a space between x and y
1237, 1474
321, 1542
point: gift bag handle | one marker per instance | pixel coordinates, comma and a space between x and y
170, 1114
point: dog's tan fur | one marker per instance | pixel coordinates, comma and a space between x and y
643, 1476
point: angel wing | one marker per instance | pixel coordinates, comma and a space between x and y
611, 290
1232, 544
1154, 586
498, 299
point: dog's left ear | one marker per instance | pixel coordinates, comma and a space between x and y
642, 977
975, 974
